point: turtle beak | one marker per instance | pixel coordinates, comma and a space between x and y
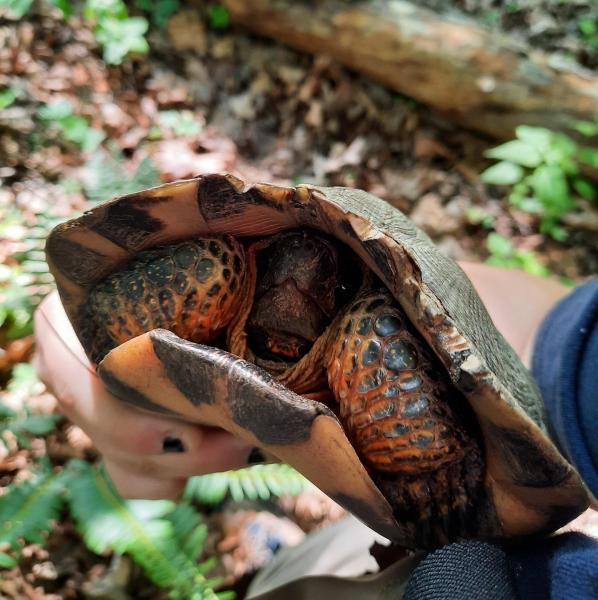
165, 374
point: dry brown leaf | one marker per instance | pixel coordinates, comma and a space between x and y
430, 215
187, 32
428, 147
177, 160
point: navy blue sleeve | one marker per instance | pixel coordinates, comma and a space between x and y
565, 365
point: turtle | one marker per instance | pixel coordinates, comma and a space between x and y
322, 326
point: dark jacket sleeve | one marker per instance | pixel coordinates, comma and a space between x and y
565, 365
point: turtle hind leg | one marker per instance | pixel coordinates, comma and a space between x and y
440, 506
406, 421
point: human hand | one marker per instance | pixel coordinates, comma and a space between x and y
152, 457
146, 456
516, 301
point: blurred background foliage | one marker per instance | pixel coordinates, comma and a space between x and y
100, 98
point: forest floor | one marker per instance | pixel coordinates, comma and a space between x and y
75, 130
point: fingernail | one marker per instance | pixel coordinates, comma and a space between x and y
172, 444
255, 456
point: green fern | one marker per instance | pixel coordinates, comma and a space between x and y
24, 285
20, 423
253, 483
152, 532
28, 510
106, 177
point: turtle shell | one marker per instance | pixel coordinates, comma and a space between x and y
531, 487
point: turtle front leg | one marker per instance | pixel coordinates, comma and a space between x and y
193, 288
413, 432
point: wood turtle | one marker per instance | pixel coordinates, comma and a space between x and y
322, 326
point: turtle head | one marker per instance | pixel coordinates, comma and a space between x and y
301, 285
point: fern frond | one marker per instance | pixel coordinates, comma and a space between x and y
253, 483
106, 176
189, 530
150, 531
23, 285
29, 509
22, 422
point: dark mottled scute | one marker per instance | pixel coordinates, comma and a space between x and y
251, 392
129, 225
528, 463
388, 325
75, 261
217, 199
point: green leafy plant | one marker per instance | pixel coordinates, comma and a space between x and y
218, 16
545, 170
115, 30
181, 122
7, 97
22, 424
476, 215
118, 33
589, 30
158, 10
60, 115
165, 539
15, 9
491, 17
503, 254
121, 37
16, 306
28, 511
65, 6
253, 483
25, 283
106, 177
587, 128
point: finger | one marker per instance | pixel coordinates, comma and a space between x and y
205, 451
132, 484
116, 428
212, 387
60, 360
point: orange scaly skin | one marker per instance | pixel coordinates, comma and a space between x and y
400, 416
388, 400
192, 289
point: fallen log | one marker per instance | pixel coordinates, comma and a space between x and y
485, 81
